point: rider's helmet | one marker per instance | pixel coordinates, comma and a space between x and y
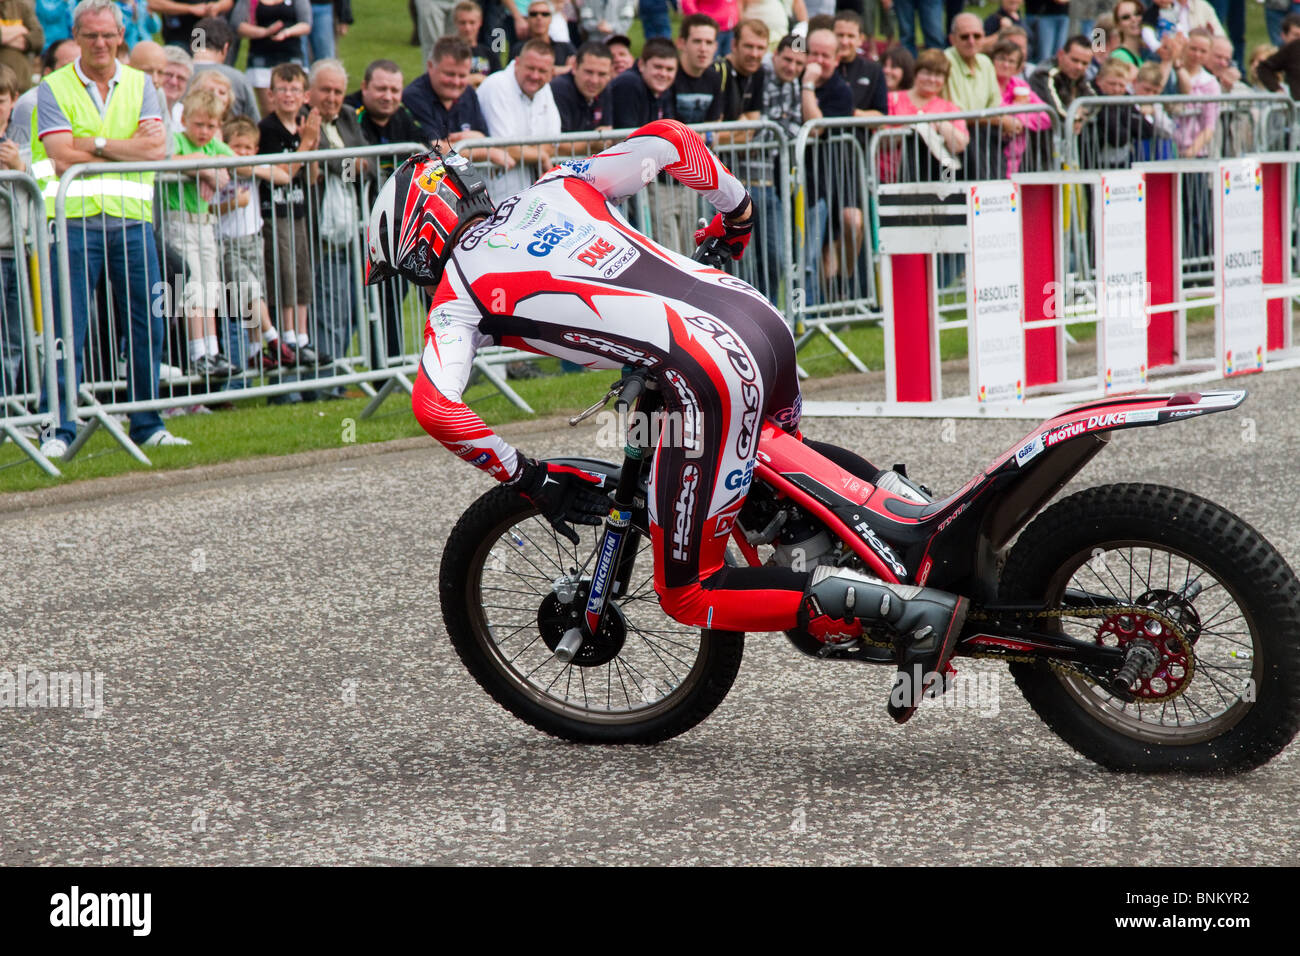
419, 214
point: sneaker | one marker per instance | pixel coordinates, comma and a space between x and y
163, 437
169, 374
268, 359
54, 448
212, 366
288, 354
310, 356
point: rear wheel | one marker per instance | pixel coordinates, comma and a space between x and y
509, 586
1229, 701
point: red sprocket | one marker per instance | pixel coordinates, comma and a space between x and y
1173, 671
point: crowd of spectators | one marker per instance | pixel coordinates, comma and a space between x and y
537, 69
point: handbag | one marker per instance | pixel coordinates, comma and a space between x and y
338, 213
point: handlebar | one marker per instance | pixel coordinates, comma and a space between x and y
712, 252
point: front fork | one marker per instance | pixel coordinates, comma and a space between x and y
616, 555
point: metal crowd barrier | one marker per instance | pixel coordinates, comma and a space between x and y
820, 196
27, 342
844, 170
1113, 135
304, 272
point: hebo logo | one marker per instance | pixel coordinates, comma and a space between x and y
548, 237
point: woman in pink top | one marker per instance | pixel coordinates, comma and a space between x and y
1007, 60
726, 12
923, 97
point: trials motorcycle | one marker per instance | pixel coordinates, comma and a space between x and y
1151, 629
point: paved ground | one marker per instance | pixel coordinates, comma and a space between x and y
278, 688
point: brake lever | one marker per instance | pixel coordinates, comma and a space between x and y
583, 415
628, 389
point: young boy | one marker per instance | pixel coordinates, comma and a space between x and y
468, 17
284, 210
240, 229
189, 229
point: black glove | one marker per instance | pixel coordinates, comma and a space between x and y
562, 493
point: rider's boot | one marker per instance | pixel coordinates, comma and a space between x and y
926, 624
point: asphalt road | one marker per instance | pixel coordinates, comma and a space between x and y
278, 688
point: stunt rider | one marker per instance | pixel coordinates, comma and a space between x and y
558, 271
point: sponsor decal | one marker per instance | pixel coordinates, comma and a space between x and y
1032, 448
620, 262
952, 517
1186, 412
430, 179
476, 235
789, 417
480, 459
595, 252
739, 479
548, 237
684, 512
501, 240
852, 485
1094, 422
582, 167
885, 552
617, 349
1143, 415
749, 394
600, 580
447, 338
726, 521
924, 573
690, 409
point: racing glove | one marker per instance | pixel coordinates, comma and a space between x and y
562, 494
734, 235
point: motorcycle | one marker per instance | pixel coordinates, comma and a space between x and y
1149, 628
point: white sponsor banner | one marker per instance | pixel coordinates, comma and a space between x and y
996, 295
1123, 273
1240, 267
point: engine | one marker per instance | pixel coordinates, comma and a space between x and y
799, 541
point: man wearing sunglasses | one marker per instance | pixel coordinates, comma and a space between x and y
540, 16
973, 85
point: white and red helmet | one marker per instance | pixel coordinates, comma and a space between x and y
420, 213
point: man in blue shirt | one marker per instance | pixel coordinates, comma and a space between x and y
442, 100
582, 95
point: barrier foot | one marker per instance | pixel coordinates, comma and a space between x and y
30, 450
502, 386
100, 417
397, 381
836, 342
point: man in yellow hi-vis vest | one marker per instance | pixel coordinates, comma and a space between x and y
96, 110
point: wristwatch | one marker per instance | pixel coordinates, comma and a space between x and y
100, 143
810, 87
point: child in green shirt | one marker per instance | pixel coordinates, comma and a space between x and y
190, 232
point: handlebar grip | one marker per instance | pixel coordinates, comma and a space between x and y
631, 391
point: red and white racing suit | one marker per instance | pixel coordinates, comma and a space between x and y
560, 272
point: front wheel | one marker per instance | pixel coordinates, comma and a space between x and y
508, 583
1229, 701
